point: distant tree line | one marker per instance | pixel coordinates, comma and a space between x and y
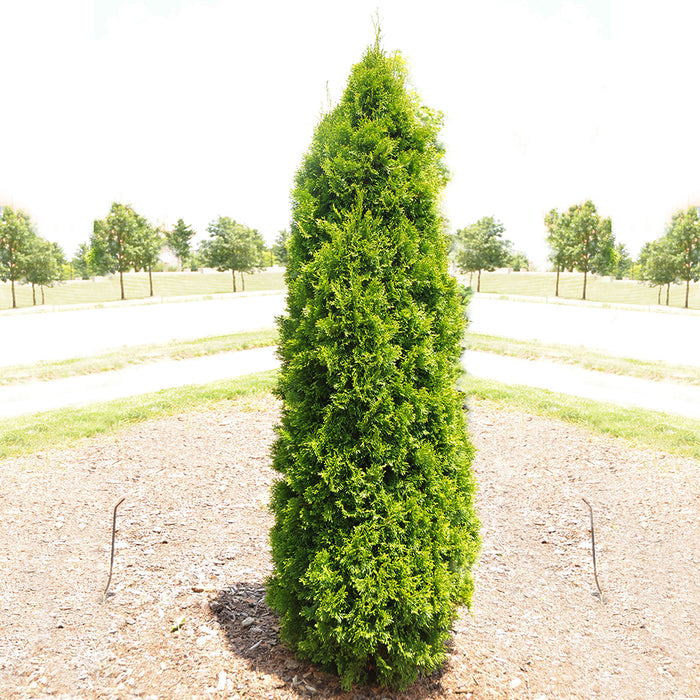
125, 241
581, 240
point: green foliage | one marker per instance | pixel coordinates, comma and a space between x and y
684, 238
42, 265
623, 262
658, 265
481, 246
16, 238
82, 261
33, 432
149, 243
375, 528
117, 241
580, 239
279, 248
232, 246
519, 261
179, 241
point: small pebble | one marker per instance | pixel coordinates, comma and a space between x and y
221, 685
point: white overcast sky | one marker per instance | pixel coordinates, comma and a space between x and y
202, 108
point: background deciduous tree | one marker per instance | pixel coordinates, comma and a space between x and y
582, 240
279, 248
82, 261
481, 246
559, 245
43, 265
179, 240
115, 241
375, 530
149, 244
658, 265
519, 261
16, 236
684, 237
232, 246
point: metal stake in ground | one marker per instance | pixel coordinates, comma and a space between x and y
111, 558
595, 571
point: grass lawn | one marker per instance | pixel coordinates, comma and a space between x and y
36, 432
582, 357
173, 284
165, 284
263, 337
600, 289
138, 354
643, 428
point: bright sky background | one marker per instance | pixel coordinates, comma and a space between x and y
202, 108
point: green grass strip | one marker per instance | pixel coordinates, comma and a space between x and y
582, 357
60, 428
264, 337
166, 285
139, 354
643, 428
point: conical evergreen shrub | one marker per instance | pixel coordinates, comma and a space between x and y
375, 529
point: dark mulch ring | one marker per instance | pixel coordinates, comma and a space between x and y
185, 616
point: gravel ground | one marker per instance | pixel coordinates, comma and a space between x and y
186, 618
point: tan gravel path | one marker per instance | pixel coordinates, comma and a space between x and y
192, 544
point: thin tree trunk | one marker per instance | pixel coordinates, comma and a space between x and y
150, 280
556, 290
668, 292
471, 277
121, 283
478, 281
33, 294
585, 281
658, 300
43, 301
233, 274
14, 299
687, 291
242, 282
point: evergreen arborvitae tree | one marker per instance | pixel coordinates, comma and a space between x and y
375, 531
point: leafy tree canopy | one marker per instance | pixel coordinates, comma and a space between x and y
279, 248
232, 246
179, 240
684, 237
658, 264
43, 264
149, 244
82, 261
582, 240
16, 238
481, 246
116, 241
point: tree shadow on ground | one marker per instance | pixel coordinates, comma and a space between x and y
252, 632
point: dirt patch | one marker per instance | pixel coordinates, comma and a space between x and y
186, 617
